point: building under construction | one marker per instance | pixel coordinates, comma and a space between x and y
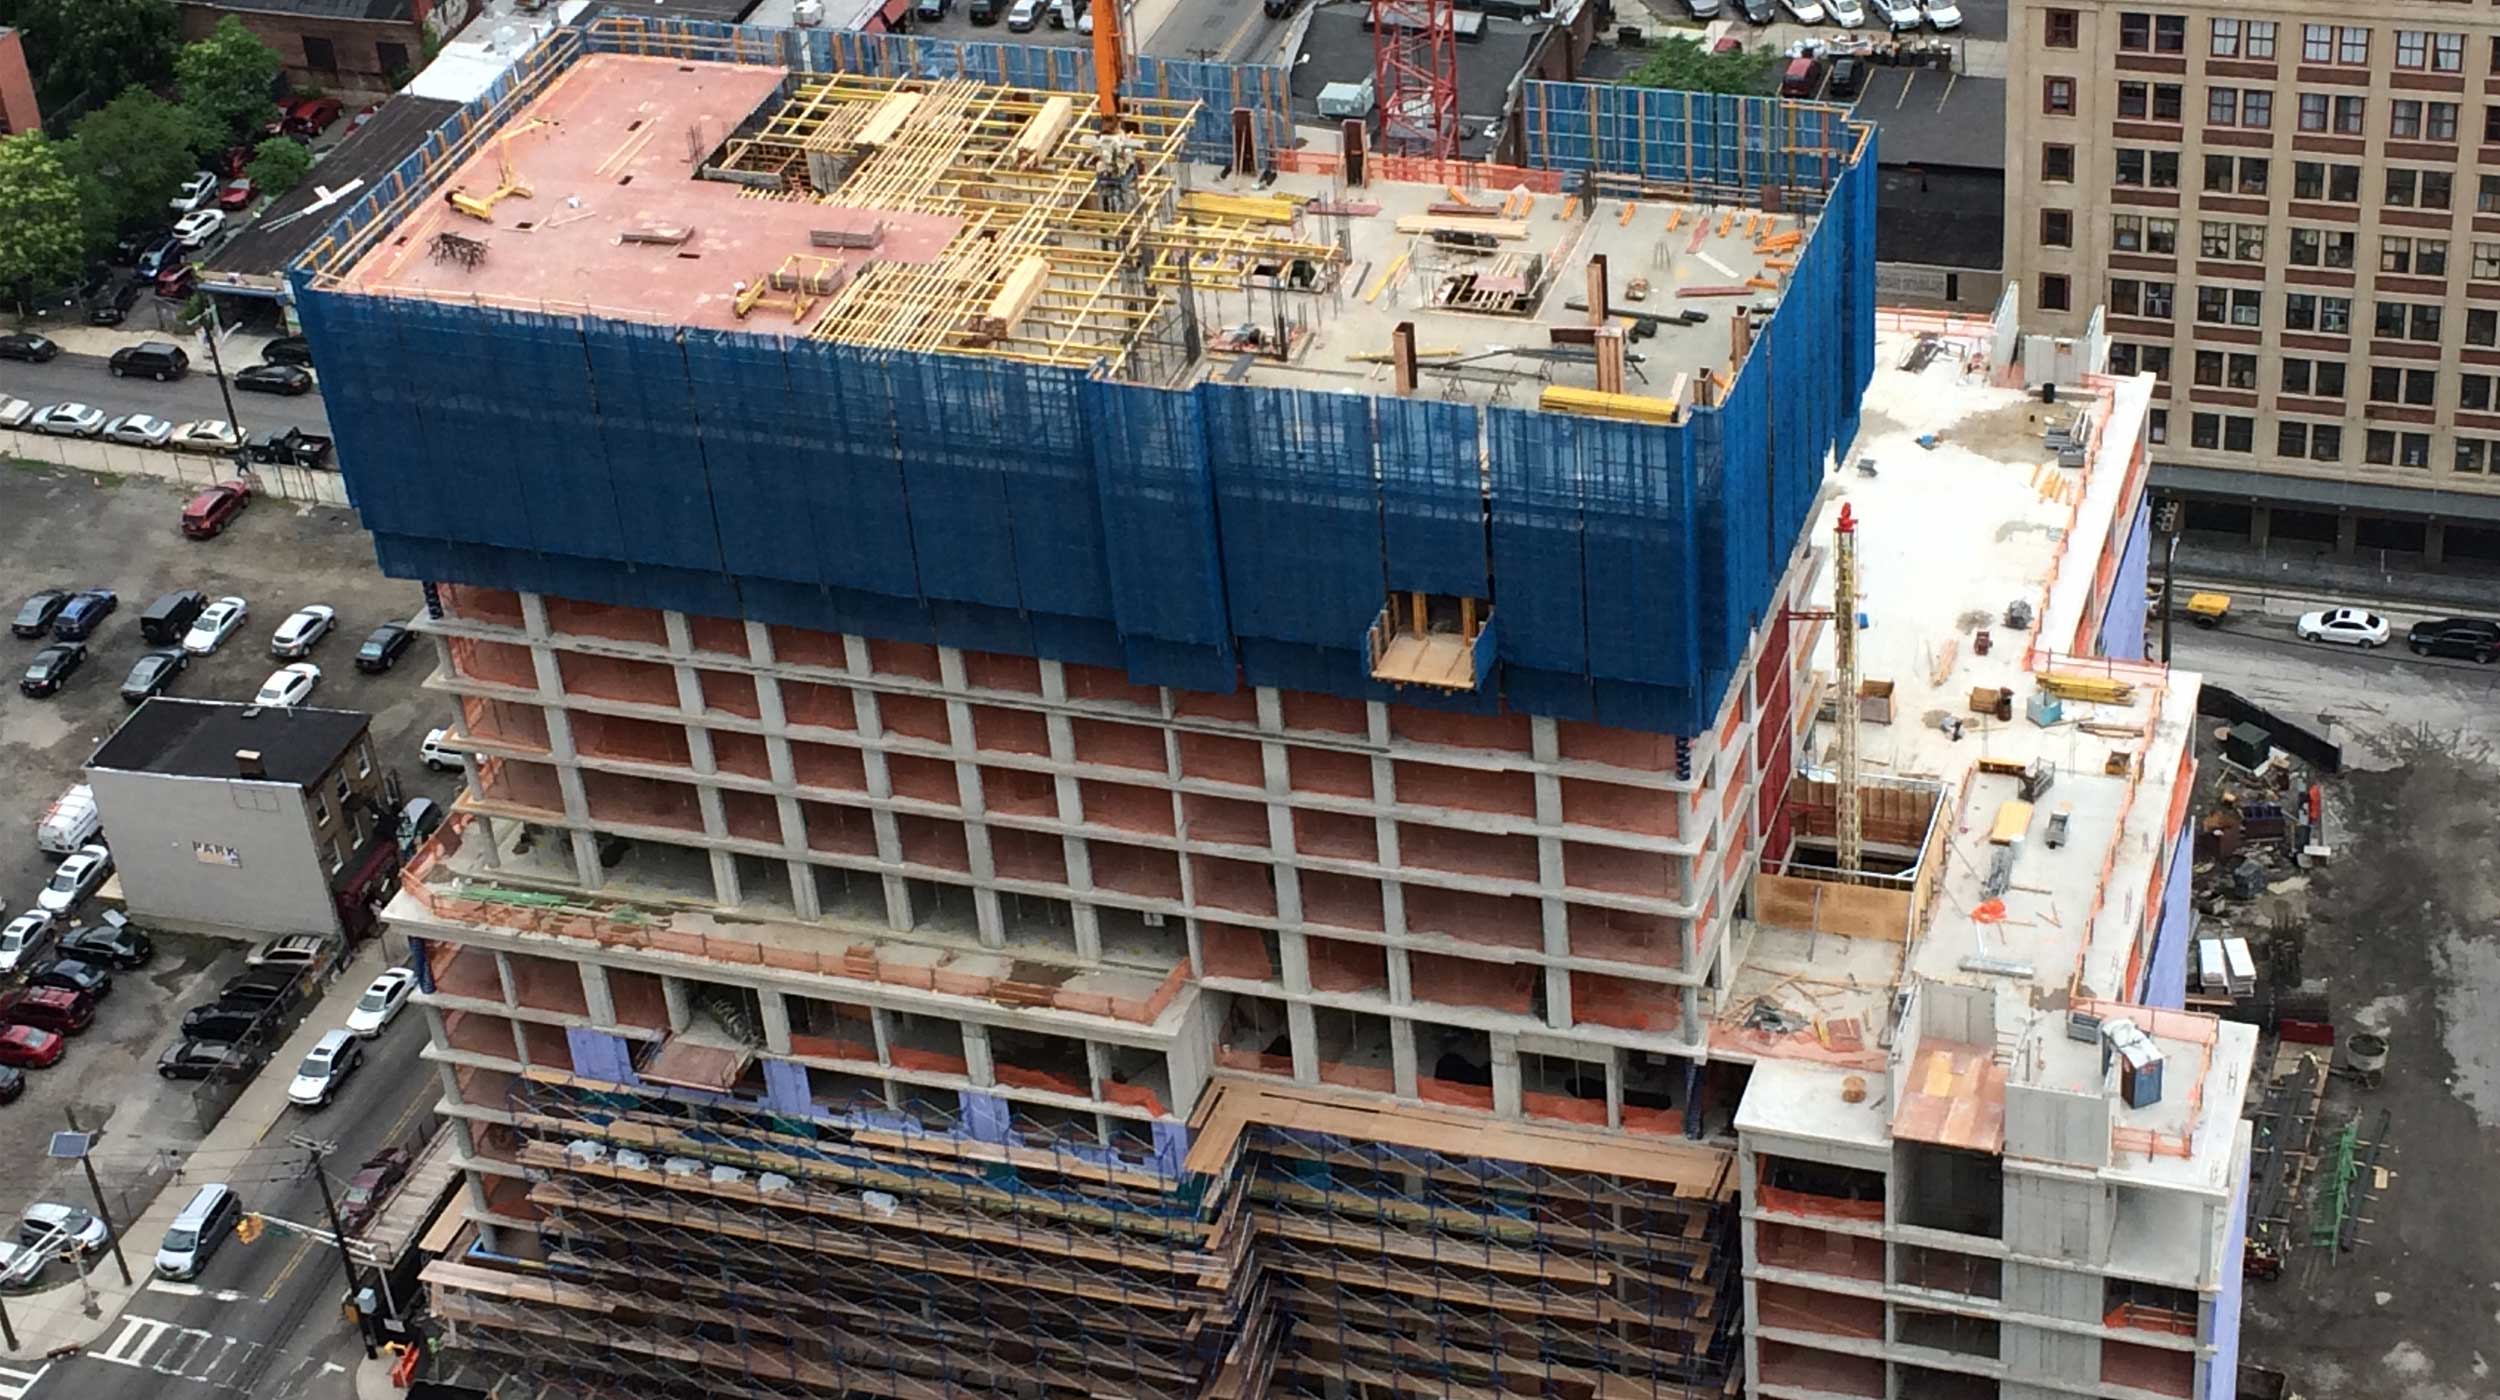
1149, 761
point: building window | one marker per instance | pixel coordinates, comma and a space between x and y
2057, 228
2259, 43
2413, 48
321, 811
364, 759
2319, 442
2057, 164
2057, 96
321, 56
2448, 53
2063, 29
2313, 111
2127, 357
2417, 387
2054, 292
2161, 300
2404, 120
2226, 38
2395, 255
2409, 120
2216, 369
2337, 184
2424, 189
2343, 115
2491, 130
2151, 169
2159, 101
2308, 311
2440, 121
2235, 306
2126, 298
2486, 262
390, 58
2317, 43
342, 785
2134, 100
2407, 320
2474, 393
2235, 174
2135, 32
2249, 107
2482, 326
330, 856
2257, 108
2320, 379
2234, 242
2157, 426
2224, 432
2315, 247
2487, 195
2382, 448
2472, 453
2430, 257
2352, 46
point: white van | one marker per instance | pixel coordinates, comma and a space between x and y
70, 822
197, 1232
438, 751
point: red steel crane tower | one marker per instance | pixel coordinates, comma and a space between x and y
1415, 76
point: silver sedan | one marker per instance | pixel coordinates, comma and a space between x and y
69, 420
139, 430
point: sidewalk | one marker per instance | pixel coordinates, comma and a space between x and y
2311, 576
52, 1319
239, 347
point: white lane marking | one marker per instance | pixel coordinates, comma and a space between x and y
131, 1347
16, 1384
175, 1357
193, 1290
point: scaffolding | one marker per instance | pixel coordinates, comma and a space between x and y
687, 1244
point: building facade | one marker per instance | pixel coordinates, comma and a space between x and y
351, 49
18, 108
244, 819
2291, 213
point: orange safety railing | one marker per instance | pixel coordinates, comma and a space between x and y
1425, 170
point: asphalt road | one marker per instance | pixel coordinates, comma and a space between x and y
2379, 702
1226, 31
86, 379
263, 1320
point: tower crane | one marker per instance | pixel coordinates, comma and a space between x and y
1848, 823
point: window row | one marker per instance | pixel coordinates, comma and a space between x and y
2318, 312
2324, 442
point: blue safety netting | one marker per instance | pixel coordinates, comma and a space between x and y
1661, 136
1432, 496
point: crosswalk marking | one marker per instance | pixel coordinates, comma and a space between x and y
176, 1357
138, 1347
193, 1290
16, 1384
137, 1335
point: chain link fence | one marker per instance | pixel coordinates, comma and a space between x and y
189, 469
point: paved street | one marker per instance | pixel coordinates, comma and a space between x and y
85, 379
262, 1321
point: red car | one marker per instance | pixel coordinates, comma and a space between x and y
210, 512
236, 193
30, 1048
308, 117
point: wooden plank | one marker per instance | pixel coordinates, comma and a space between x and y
1428, 223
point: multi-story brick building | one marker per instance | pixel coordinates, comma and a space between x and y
2291, 213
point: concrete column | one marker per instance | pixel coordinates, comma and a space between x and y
2435, 542
2347, 534
803, 900
768, 710
699, 750
505, 980
1506, 1088
760, 642
1303, 1029
1085, 926
1402, 1075
586, 869
600, 1001
776, 1020
1401, 977
680, 635
980, 1068
2260, 525
1558, 997
534, 615
1614, 1087
689, 689
680, 1002
725, 889
1293, 956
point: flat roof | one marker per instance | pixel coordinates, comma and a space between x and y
1967, 512
340, 177
1337, 48
199, 738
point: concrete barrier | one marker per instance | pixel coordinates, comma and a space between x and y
189, 469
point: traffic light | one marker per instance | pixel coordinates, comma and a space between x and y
249, 1228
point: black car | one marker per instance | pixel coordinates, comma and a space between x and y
111, 306
1848, 80
27, 346
159, 360
227, 1024
152, 672
2468, 638
73, 975
12, 1083
275, 379
51, 668
35, 615
83, 614
259, 991
1758, 11
105, 945
288, 350
383, 649
208, 1059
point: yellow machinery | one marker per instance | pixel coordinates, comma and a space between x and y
508, 183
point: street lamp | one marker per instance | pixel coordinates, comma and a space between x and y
214, 332
74, 1144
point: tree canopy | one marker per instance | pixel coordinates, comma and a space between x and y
279, 164
91, 48
129, 156
227, 78
1682, 63
42, 238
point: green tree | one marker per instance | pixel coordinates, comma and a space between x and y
42, 238
226, 79
279, 164
1682, 63
88, 48
129, 156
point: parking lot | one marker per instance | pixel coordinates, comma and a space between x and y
75, 529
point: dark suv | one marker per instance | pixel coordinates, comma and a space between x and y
2468, 638
156, 359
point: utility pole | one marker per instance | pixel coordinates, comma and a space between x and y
2166, 519
242, 444
320, 1151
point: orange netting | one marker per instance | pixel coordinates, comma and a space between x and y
1807, 1203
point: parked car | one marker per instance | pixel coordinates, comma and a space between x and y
384, 647
24, 939
35, 615
1942, 14
156, 359
370, 1186
2346, 626
28, 346
111, 306
289, 686
84, 613
85, 978
74, 879
206, 515
984, 11
237, 194
288, 350
291, 447
229, 1025
165, 621
292, 952
2469, 638
51, 668
68, 420
207, 435
177, 281
1758, 11
1848, 77
308, 117
209, 1059
14, 412
1804, 11
381, 1003
325, 1069
1899, 16
274, 379
1846, 13
1802, 77
206, 1223
196, 228
1702, 9
139, 430
194, 192
59, 1010
12, 1084
29, 1048
261, 988
158, 258
303, 630
418, 817
152, 673
216, 622
85, 1232
115, 943
437, 751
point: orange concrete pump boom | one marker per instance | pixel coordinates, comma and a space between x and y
1108, 69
